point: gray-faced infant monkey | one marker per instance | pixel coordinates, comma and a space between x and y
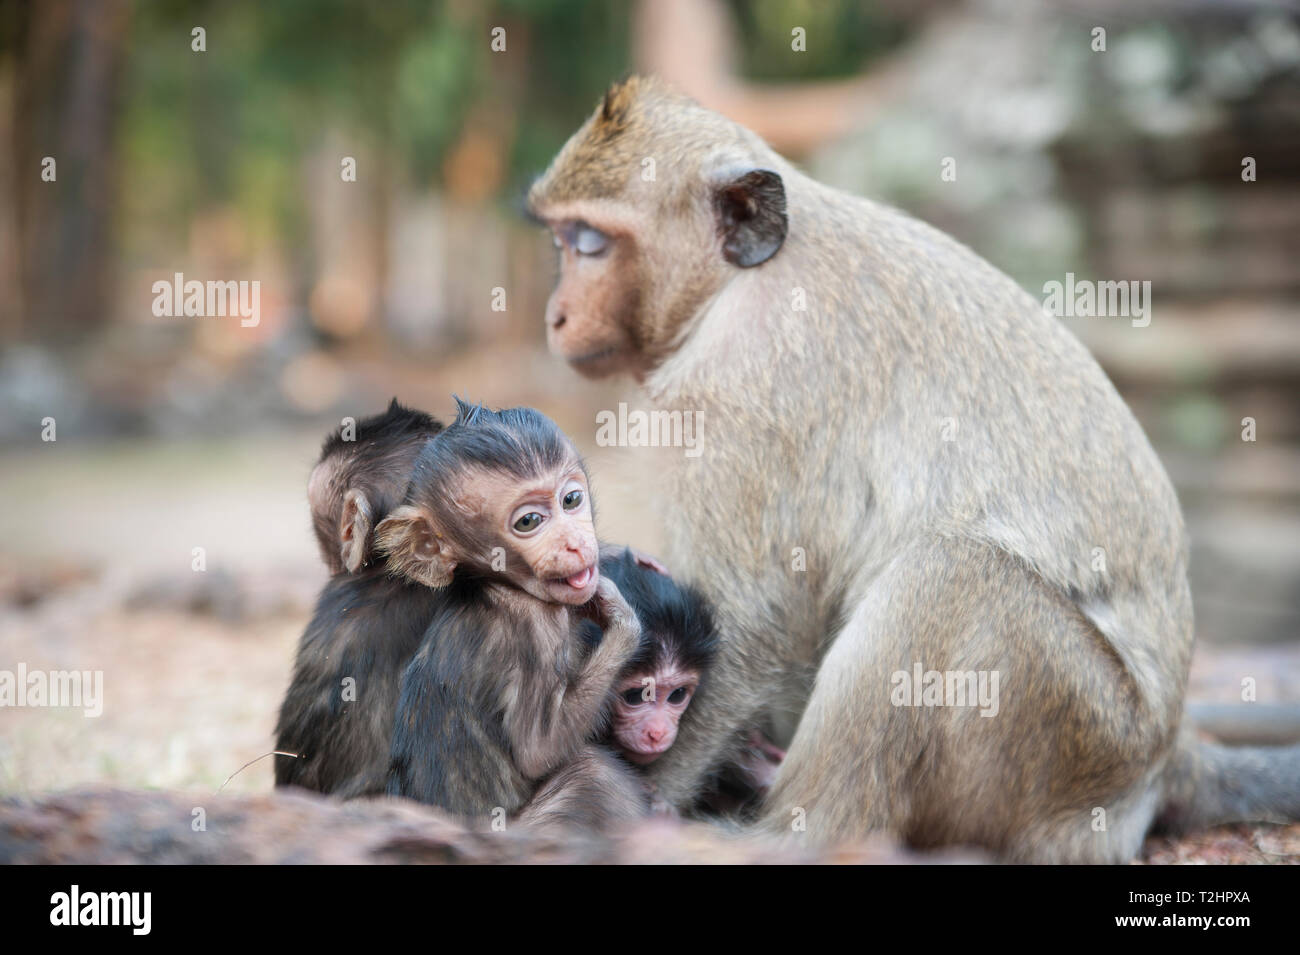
511, 684
337, 714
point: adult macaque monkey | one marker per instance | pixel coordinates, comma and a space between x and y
970, 492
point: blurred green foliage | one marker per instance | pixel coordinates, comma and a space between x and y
229, 125
846, 34
577, 50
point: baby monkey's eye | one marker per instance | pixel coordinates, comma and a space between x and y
633, 697
529, 522
678, 695
572, 500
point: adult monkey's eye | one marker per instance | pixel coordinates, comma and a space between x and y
572, 500
589, 241
529, 522
632, 697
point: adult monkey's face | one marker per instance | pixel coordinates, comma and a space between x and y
654, 207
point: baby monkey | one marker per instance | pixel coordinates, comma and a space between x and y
369, 624
361, 476
511, 683
337, 714
678, 642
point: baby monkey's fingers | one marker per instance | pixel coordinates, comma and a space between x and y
611, 609
650, 563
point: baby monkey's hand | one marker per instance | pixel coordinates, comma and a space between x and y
613, 614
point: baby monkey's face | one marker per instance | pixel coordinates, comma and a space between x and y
647, 708
497, 495
548, 524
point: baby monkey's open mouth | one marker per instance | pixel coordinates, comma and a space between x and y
574, 589
580, 579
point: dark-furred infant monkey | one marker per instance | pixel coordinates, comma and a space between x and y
679, 640
337, 714
499, 707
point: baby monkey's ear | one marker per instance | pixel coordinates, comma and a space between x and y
354, 530
414, 547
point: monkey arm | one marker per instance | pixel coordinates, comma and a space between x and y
552, 728
337, 713
447, 750
416, 768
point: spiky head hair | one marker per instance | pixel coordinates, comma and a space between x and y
522, 441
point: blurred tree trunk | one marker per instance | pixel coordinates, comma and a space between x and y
69, 63
693, 45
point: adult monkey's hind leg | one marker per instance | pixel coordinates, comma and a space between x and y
1066, 731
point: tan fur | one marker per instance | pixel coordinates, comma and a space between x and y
597, 177
354, 530
827, 433
414, 550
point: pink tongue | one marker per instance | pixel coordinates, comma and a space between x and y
579, 580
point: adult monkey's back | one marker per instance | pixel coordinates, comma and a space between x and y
969, 489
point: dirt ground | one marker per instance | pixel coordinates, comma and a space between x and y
97, 575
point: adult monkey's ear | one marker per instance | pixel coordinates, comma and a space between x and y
354, 530
750, 206
414, 547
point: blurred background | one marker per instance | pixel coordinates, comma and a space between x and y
209, 139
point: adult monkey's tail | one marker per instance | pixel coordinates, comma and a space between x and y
1208, 784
